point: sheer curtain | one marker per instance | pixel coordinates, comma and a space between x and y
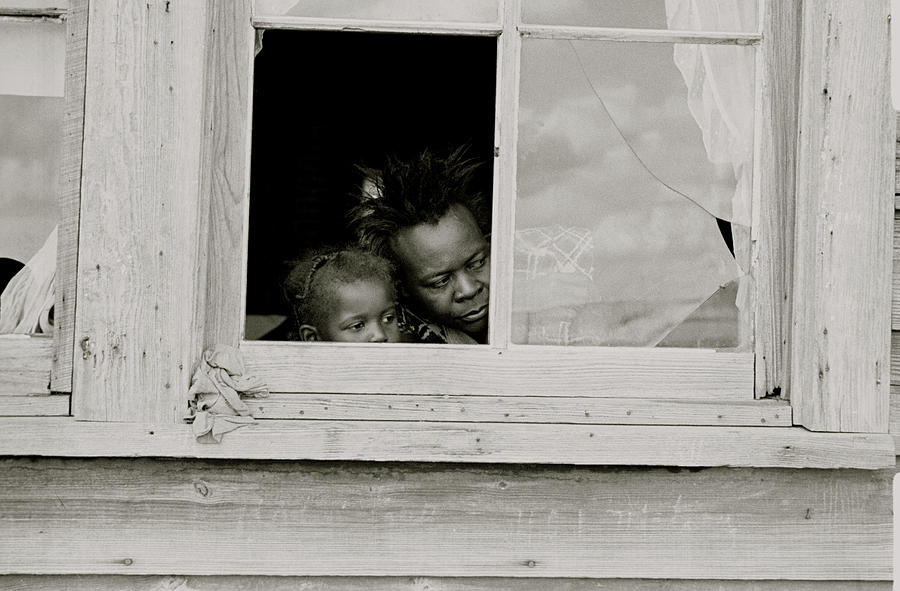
721, 99
720, 88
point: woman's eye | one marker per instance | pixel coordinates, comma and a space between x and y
439, 283
477, 263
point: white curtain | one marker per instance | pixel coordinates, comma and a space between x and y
720, 81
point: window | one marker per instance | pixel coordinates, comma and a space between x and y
42, 62
166, 207
542, 197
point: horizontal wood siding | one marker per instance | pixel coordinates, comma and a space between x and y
418, 441
244, 583
146, 516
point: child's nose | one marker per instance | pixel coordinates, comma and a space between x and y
378, 335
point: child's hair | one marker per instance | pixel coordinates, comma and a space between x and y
310, 285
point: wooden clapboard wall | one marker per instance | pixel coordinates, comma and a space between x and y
895, 305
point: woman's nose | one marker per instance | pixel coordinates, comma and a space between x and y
467, 286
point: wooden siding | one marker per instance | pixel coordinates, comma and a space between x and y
895, 302
243, 583
147, 516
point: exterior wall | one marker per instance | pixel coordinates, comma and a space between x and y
357, 519
149, 524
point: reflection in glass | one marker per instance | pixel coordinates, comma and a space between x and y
627, 211
685, 15
31, 113
478, 11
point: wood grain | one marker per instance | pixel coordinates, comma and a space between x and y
841, 309
694, 374
25, 364
503, 215
301, 23
459, 442
145, 516
517, 409
35, 405
643, 35
773, 222
263, 583
69, 197
226, 170
137, 261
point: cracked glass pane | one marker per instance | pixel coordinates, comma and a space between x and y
31, 114
685, 15
633, 193
480, 11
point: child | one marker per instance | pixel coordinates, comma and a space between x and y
344, 295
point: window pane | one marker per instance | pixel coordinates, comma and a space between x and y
480, 11
31, 67
631, 193
313, 129
690, 15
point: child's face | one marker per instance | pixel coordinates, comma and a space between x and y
362, 312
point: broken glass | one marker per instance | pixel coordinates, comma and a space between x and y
633, 193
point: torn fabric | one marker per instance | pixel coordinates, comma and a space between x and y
215, 400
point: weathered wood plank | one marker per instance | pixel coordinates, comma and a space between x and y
225, 179
301, 23
895, 358
262, 583
25, 364
459, 442
69, 197
895, 275
37, 405
146, 516
591, 411
842, 300
644, 35
521, 371
140, 201
503, 217
773, 223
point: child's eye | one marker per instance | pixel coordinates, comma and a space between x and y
356, 326
389, 318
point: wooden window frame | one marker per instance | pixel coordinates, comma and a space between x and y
129, 397
36, 370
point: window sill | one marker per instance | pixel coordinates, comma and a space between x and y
688, 446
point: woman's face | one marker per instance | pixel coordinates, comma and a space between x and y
446, 271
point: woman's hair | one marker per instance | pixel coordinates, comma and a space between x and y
311, 284
417, 191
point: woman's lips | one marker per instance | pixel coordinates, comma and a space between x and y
475, 315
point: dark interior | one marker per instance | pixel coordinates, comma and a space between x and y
325, 102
